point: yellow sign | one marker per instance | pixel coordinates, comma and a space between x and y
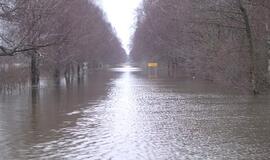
152, 65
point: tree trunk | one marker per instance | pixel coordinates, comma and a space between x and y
34, 69
57, 75
56, 72
169, 68
253, 68
79, 72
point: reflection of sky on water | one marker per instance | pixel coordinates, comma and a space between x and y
127, 116
126, 69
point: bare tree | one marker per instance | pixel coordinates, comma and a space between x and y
221, 41
58, 32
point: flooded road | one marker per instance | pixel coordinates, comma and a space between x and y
126, 116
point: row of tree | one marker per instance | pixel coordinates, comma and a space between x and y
220, 40
57, 34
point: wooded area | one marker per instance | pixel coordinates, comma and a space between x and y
225, 41
59, 35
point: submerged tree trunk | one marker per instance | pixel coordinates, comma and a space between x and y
57, 75
175, 67
34, 69
168, 68
79, 72
253, 68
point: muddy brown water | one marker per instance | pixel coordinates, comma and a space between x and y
122, 115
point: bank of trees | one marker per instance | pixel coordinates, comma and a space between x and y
60, 35
222, 40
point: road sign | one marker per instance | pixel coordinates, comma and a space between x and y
152, 65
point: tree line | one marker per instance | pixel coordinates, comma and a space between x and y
225, 41
60, 35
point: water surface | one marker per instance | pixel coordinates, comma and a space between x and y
122, 115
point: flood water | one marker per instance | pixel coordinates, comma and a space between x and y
126, 116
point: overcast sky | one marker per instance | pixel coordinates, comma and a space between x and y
122, 16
